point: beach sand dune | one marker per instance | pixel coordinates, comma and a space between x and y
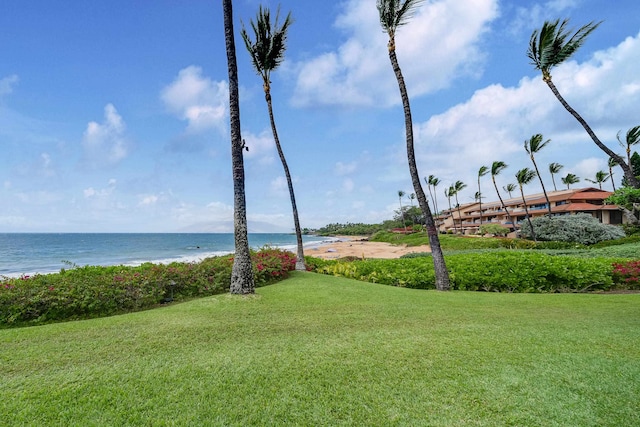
359, 247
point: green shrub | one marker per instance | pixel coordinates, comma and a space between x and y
580, 228
495, 229
85, 292
502, 271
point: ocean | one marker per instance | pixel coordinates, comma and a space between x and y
32, 253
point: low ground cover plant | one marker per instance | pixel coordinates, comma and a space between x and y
502, 271
92, 291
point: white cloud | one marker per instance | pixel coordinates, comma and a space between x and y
7, 83
197, 99
104, 143
346, 168
438, 45
261, 147
495, 121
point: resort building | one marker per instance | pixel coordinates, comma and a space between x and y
565, 202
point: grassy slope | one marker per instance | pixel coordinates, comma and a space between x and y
319, 350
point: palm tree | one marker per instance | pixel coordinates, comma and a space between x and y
601, 176
433, 181
412, 197
509, 188
242, 281
632, 138
481, 172
611, 163
554, 168
267, 53
496, 168
570, 179
551, 46
532, 146
448, 193
457, 187
393, 14
524, 177
400, 196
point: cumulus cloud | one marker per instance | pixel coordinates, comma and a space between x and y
7, 83
437, 46
495, 121
197, 99
104, 143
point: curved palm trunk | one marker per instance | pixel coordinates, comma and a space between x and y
493, 178
431, 195
552, 180
628, 173
300, 265
242, 281
440, 268
542, 184
533, 234
613, 184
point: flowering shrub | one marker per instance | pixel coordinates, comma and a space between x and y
627, 274
85, 292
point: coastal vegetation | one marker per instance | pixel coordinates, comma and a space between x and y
322, 350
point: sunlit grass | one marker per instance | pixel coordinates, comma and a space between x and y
319, 350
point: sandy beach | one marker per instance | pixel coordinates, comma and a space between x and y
360, 247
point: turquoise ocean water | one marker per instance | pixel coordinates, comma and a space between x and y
30, 253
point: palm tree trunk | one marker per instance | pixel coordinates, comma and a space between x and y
453, 218
542, 184
533, 234
300, 265
440, 268
502, 203
242, 281
613, 184
552, 180
480, 200
628, 172
459, 214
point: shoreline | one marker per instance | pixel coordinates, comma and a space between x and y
361, 247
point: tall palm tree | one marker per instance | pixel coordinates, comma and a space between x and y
412, 197
242, 281
400, 196
448, 193
267, 53
554, 168
496, 168
632, 138
570, 179
457, 187
509, 188
524, 177
601, 176
551, 46
611, 163
481, 172
393, 14
532, 146
433, 181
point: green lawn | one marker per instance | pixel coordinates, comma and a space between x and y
324, 351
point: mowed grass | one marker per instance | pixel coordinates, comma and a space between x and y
324, 351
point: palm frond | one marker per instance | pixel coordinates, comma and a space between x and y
525, 175
267, 51
497, 167
555, 167
395, 13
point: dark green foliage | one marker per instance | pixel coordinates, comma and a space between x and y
579, 228
86, 292
501, 271
495, 229
357, 229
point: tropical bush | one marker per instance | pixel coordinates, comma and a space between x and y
495, 229
627, 274
502, 271
91, 291
580, 228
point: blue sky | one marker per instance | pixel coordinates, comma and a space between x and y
114, 118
